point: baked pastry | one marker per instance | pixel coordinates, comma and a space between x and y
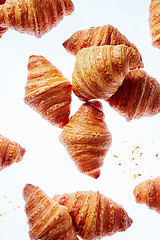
138, 96
10, 152
47, 219
34, 17
96, 36
87, 138
99, 71
94, 215
47, 91
148, 192
154, 22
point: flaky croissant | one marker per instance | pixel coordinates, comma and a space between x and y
138, 96
99, 71
87, 138
47, 219
154, 22
34, 17
148, 192
47, 91
10, 152
96, 36
94, 216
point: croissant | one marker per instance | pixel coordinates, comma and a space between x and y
154, 22
137, 97
34, 17
94, 216
47, 219
10, 152
96, 36
47, 91
148, 192
87, 138
99, 71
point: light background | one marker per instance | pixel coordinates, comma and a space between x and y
46, 163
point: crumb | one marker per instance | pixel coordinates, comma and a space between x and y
115, 156
120, 164
5, 197
157, 155
0, 214
135, 176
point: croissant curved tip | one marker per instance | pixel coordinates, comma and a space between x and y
69, 7
21, 154
94, 174
97, 104
27, 190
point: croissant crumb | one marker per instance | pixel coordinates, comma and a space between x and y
96, 36
47, 91
10, 152
138, 96
154, 22
46, 218
94, 216
148, 192
99, 71
34, 17
87, 138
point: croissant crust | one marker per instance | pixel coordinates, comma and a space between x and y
138, 96
10, 152
94, 216
34, 17
47, 219
87, 138
148, 192
47, 91
154, 22
96, 36
99, 71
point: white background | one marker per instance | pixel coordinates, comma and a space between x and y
46, 163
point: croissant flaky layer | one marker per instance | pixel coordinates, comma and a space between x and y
47, 219
47, 91
138, 96
94, 216
154, 22
99, 71
95, 36
34, 17
148, 192
87, 138
10, 152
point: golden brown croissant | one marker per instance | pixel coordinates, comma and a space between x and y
96, 36
94, 216
34, 17
87, 138
47, 219
47, 91
154, 22
10, 152
137, 97
148, 192
99, 71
